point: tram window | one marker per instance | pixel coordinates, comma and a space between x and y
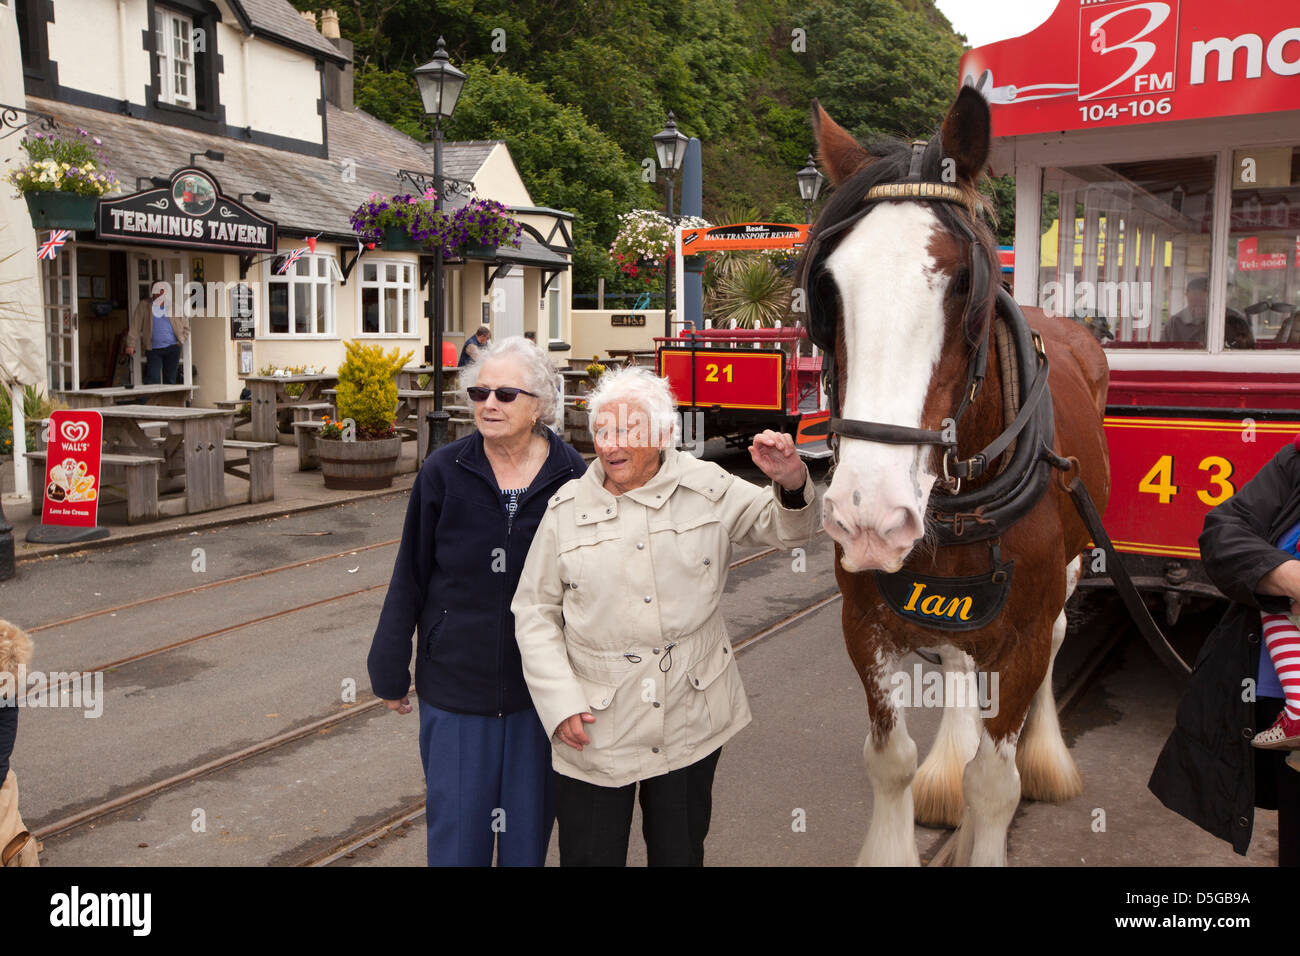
1132, 260
1264, 250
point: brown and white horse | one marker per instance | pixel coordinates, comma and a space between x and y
904, 338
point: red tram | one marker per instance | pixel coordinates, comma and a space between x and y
1156, 151
738, 382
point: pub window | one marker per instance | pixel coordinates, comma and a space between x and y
302, 301
174, 43
453, 318
389, 293
553, 310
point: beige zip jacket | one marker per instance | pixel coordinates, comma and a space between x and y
139, 332
617, 615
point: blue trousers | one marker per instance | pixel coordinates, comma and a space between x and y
489, 782
160, 365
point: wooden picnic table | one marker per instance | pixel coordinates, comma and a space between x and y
193, 447
408, 377
269, 398
159, 395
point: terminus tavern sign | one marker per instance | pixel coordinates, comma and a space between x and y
190, 211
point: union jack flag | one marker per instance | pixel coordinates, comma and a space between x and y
51, 246
289, 260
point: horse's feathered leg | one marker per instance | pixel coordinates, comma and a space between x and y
1047, 771
937, 787
992, 787
890, 756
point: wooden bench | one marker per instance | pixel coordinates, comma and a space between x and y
304, 434
259, 457
304, 412
141, 483
237, 417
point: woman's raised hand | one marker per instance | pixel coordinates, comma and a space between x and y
773, 452
570, 730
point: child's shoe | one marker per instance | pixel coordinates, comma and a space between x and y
1283, 735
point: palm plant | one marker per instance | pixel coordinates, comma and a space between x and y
753, 294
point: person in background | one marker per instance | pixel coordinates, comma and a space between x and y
619, 622
474, 508
17, 846
1188, 324
160, 333
473, 344
1215, 768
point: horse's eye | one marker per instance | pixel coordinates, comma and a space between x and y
960, 284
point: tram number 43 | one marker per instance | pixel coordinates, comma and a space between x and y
1159, 480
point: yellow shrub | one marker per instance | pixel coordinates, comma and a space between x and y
367, 391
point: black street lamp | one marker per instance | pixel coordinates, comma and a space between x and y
670, 147
440, 85
810, 182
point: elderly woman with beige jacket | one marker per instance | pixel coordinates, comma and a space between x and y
617, 616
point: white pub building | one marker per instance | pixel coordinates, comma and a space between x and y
240, 112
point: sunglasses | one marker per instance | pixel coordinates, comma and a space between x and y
505, 393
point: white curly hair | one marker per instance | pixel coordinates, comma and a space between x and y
539, 377
636, 386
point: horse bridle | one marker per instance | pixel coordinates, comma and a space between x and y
822, 329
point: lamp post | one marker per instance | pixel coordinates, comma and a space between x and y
810, 182
670, 147
440, 85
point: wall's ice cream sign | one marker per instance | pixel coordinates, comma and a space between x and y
72, 467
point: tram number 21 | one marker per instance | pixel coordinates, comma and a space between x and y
711, 372
1159, 480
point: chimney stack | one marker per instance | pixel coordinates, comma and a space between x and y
309, 17
329, 24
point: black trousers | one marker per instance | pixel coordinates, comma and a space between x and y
595, 821
1277, 786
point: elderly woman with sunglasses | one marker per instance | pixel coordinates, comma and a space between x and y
474, 508
617, 615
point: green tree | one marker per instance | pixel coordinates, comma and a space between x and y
565, 162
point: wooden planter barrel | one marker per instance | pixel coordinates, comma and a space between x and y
358, 465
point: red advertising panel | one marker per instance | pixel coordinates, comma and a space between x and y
72, 468
1098, 63
744, 235
729, 378
1166, 473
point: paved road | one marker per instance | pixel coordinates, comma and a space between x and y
270, 665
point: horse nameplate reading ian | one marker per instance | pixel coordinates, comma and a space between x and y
949, 604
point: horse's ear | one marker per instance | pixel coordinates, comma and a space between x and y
839, 152
966, 133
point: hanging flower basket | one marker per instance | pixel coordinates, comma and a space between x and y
478, 228
54, 209
63, 178
397, 239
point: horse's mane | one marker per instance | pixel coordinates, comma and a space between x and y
891, 159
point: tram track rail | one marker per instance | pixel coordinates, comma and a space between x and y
90, 815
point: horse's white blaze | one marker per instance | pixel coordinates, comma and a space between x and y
892, 293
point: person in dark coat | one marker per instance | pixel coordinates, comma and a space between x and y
1208, 770
474, 509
